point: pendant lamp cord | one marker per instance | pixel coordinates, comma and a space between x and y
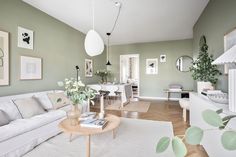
118, 14
93, 10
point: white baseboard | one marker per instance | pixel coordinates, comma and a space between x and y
158, 98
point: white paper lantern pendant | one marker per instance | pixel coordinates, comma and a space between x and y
93, 43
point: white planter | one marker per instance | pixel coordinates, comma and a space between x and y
203, 85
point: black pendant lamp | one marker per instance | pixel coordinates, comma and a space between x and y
108, 42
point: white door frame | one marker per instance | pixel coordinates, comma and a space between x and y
132, 55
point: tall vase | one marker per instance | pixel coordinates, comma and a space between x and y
74, 115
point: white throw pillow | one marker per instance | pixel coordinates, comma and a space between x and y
29, 107
4, 118
58, 100
10, 109
44, 100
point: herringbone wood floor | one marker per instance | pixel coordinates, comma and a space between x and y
164, 111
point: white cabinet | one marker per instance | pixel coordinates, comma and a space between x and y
212, 139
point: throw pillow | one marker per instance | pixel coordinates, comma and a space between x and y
44, 100
29, 107
58, 100
4, 118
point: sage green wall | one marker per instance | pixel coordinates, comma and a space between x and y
60, 47
218, 18
153, 85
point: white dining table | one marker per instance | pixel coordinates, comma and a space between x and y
124, 89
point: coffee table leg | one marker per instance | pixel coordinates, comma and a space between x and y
88, 146
114, 133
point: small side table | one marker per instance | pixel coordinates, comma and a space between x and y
113, 124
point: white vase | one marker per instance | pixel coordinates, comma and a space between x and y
201, 85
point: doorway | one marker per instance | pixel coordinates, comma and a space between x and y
129, 71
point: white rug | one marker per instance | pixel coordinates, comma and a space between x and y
134, 138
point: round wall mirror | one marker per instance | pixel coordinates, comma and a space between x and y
183, 63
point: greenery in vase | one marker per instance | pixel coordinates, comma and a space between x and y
194, 134
202, 68
103, 74
76, 91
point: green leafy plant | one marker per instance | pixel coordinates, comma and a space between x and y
76, 91
103, 74
194, 134
202, 68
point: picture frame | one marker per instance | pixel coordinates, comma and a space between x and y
31, 68
162, 58
25, 38
229, 42
152, 66
88, 68
4, 58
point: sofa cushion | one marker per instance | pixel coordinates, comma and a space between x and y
29, 107
58, 100
21, 126
4, 118
44, 100
10, 109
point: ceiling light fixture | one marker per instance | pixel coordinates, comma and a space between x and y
117, 4
93, 43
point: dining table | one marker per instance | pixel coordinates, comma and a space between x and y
124, 89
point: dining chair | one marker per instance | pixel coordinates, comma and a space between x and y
114, 94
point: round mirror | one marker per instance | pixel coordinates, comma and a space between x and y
183, 63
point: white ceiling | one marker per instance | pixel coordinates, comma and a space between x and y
139, 21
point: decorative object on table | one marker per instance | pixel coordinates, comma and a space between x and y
94, 123
194, 135
229, 42
4, 58
102, 109
183, 63
203, 71
87, 115
162, 58
229, 58
103, 74
93, 42
31, 68
78, 93
25, 38
77, 72
152, 66
88, 67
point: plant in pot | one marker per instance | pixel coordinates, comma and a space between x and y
78, 94
203, 71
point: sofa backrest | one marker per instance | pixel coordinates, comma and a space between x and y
7, 105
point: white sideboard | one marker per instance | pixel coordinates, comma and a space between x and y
212, 139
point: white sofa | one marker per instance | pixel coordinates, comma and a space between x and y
22, 135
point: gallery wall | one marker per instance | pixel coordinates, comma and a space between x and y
218, 18
153, 85
60, 47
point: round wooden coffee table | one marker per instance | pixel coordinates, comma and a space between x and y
113, 123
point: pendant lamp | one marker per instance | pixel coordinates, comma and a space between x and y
93, 43
108, 42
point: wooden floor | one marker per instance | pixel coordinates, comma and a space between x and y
164, 111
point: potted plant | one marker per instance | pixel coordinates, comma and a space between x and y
103, 74
78, 94
203, 71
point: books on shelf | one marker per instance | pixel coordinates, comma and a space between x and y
87, 115
94, 123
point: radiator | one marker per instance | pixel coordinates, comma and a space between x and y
232, 90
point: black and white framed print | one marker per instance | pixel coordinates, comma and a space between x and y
88, 68
31, 68
152, 66
25, 38
162, 58
4, 58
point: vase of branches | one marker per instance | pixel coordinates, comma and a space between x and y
103, 75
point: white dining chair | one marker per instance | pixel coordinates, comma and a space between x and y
113, 92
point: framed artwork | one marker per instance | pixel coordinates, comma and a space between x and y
152, 66
4, 58
31, 68
88, 68
229, 42
25, 38
162, 58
